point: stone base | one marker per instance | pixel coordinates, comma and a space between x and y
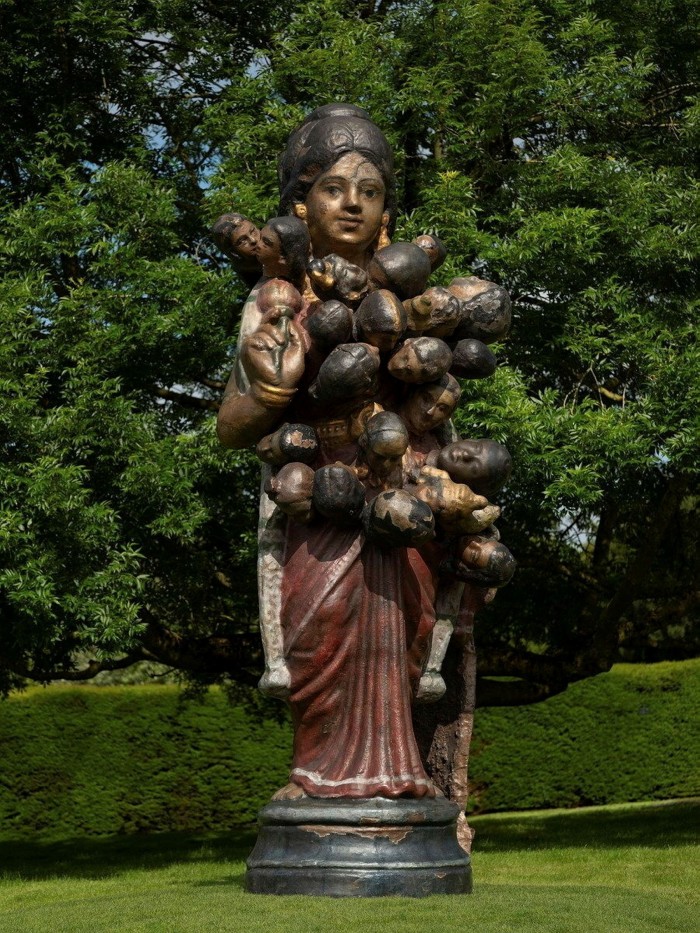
359, 848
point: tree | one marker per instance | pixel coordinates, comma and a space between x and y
552, 146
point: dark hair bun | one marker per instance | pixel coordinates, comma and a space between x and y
330, 324
472, 359
403, 268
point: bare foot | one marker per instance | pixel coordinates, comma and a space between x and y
430, 687
288, 792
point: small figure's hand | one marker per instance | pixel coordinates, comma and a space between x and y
276, 681
273, 355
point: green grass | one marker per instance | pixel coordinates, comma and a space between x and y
631, 868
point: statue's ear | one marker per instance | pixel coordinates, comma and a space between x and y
300, 211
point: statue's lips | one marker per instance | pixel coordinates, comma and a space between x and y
350, 223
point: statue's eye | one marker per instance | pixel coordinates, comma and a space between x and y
333, 190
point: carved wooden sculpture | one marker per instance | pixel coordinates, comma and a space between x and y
290, 443
434, 247
420, 359
335, 277
370, 552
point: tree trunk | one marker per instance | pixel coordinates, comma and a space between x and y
444, 729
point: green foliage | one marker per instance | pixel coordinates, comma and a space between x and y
552, 146
91, 761
624, 735
94, 760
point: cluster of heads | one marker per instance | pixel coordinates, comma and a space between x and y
386, 301
449, 495
366, 322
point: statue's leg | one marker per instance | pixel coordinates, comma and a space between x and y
275, 681
432, 686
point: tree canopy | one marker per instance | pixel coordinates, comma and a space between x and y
552, 145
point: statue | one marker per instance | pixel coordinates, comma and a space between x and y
376, 534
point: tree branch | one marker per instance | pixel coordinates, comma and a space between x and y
209, 654
92, 669
216, 384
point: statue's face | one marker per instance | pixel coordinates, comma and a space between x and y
482, 464
405, 365
445, 497
245, 239
385, 455
478, 552
291, 490
269, 450
345, 206
464, 460
269, 253
428, 407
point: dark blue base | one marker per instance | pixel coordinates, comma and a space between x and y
359, 848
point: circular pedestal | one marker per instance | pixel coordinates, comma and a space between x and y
358, 848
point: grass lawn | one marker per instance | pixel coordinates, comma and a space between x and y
631, 867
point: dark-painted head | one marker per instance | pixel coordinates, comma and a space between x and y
383, 442
337, 174
234, 233
420, 359
484, 465
283, 248
291, 489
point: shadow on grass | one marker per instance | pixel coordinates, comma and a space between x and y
112, 855
654, 826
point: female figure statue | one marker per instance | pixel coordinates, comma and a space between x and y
347, 619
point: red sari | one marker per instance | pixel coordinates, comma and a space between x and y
357, 621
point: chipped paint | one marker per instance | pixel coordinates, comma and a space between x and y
394, 834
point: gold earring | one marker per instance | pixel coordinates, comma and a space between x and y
300, 211
383, 238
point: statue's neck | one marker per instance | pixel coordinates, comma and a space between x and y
358, 256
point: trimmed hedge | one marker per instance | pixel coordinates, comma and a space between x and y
631, 734
94, 760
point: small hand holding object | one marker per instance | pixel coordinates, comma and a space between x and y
273, 355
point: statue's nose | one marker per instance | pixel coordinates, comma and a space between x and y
352, 201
